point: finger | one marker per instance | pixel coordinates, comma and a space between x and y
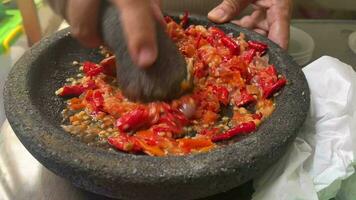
82, 15
264, 3
279, 29
138, 22
279, 33
252, 20
262, 24
228, 9
260, 19
157, 2
157, 12
246, 22
260, 31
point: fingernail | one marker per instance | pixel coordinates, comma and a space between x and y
146, 57
217, 13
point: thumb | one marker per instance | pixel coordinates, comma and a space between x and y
228, 9
139, 22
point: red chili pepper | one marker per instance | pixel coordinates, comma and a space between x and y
271, 70
246, 127
125, 143
245, 98
227, 41
266, 77
172, 121
160, 128
166, 128
175, 119
257, 116
168, 119
151, 141
181, 118
96, 100
249, 55
231, 45
168, 19
76, 90
270, 90
166, 107
198, 41
133, 120
200, 69
198, 144
90, 85
216, 32
258, 46
185, 19
209, 132
210, 40
222, 93
72, 90
92, 69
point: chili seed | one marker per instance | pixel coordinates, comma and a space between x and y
102, 126
75, 123
69, 79
161, 133
225, 119
243, 110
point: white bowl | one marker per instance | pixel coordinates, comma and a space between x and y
352, 41
301, 46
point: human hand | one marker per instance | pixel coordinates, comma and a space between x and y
138, 19
270, 17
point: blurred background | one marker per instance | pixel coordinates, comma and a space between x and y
24, 22
303, 9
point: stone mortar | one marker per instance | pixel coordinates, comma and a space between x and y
33, 111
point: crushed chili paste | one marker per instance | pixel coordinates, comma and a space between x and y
227, 71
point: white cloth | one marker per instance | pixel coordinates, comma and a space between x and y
322, 157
